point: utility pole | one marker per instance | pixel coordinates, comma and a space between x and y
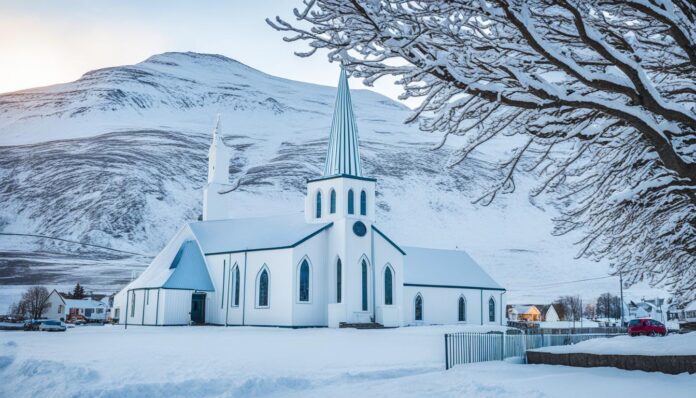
622, 299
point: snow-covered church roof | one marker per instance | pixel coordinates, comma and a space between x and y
259, 233
181, 264
438, 267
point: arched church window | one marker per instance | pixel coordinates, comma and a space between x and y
338, 280
364, 285
363, 203
491, 310
419, 307
461, 310
304, 281
351, 204
235, 286
332, 202
263, 288
388, 291
318, 215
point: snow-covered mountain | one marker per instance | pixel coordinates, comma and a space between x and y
118, 159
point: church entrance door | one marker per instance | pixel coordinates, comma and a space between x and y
198, 308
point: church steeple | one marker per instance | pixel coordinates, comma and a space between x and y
343, 155
215, 202
218, 158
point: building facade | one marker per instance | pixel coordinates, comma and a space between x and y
327, 266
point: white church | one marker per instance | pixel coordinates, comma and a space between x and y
331, 266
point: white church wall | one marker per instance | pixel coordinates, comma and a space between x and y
280, 299
386, 255
441, 305
314, 311
175, 307
215, 301
234, 313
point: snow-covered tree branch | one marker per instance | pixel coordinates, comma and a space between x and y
601, 92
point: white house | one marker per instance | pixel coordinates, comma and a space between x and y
328, 265
60, 308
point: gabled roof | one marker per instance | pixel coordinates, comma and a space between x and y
444, 268
343, 155
190, 271
86, 303
251, 234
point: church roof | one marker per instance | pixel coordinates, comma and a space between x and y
189, 268
444, 268
343, 155
249, 234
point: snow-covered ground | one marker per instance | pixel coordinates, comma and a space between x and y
673, 344
215, 361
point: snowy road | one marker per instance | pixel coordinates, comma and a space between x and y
215, 361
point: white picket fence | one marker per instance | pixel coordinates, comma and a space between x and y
464, 347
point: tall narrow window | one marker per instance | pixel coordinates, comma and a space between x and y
304, 281
364, 285
491, 310
363, 203
461, 310
235, 286
388, 286
132, 304
419, 308
351, 204
318, 205
332, 202
338, 280
263, 289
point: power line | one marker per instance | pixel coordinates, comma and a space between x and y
73, 241
564, 283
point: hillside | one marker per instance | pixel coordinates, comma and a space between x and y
118, 159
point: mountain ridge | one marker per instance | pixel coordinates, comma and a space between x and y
119, 159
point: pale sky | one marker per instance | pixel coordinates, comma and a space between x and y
45, 42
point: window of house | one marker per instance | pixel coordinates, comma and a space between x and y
491, 310
332, 202
364, 285
263, 289
318, 215
351, 204
388, 286
419, 307
338, 280
304, 281
100, 310
461, 310
61, 308
363, 203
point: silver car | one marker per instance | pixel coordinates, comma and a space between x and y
52, 326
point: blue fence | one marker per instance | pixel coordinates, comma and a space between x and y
464, 347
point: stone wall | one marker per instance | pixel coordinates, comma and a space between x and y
671, 364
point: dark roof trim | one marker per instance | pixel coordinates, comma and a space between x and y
343, 176
456, 287
310, 236
60, 296
389, 240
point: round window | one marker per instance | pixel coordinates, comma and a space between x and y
359, 228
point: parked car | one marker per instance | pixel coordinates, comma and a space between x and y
52, 326
648, 327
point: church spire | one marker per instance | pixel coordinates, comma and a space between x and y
343, 155
218, 158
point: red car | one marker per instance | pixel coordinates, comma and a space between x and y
648, 327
